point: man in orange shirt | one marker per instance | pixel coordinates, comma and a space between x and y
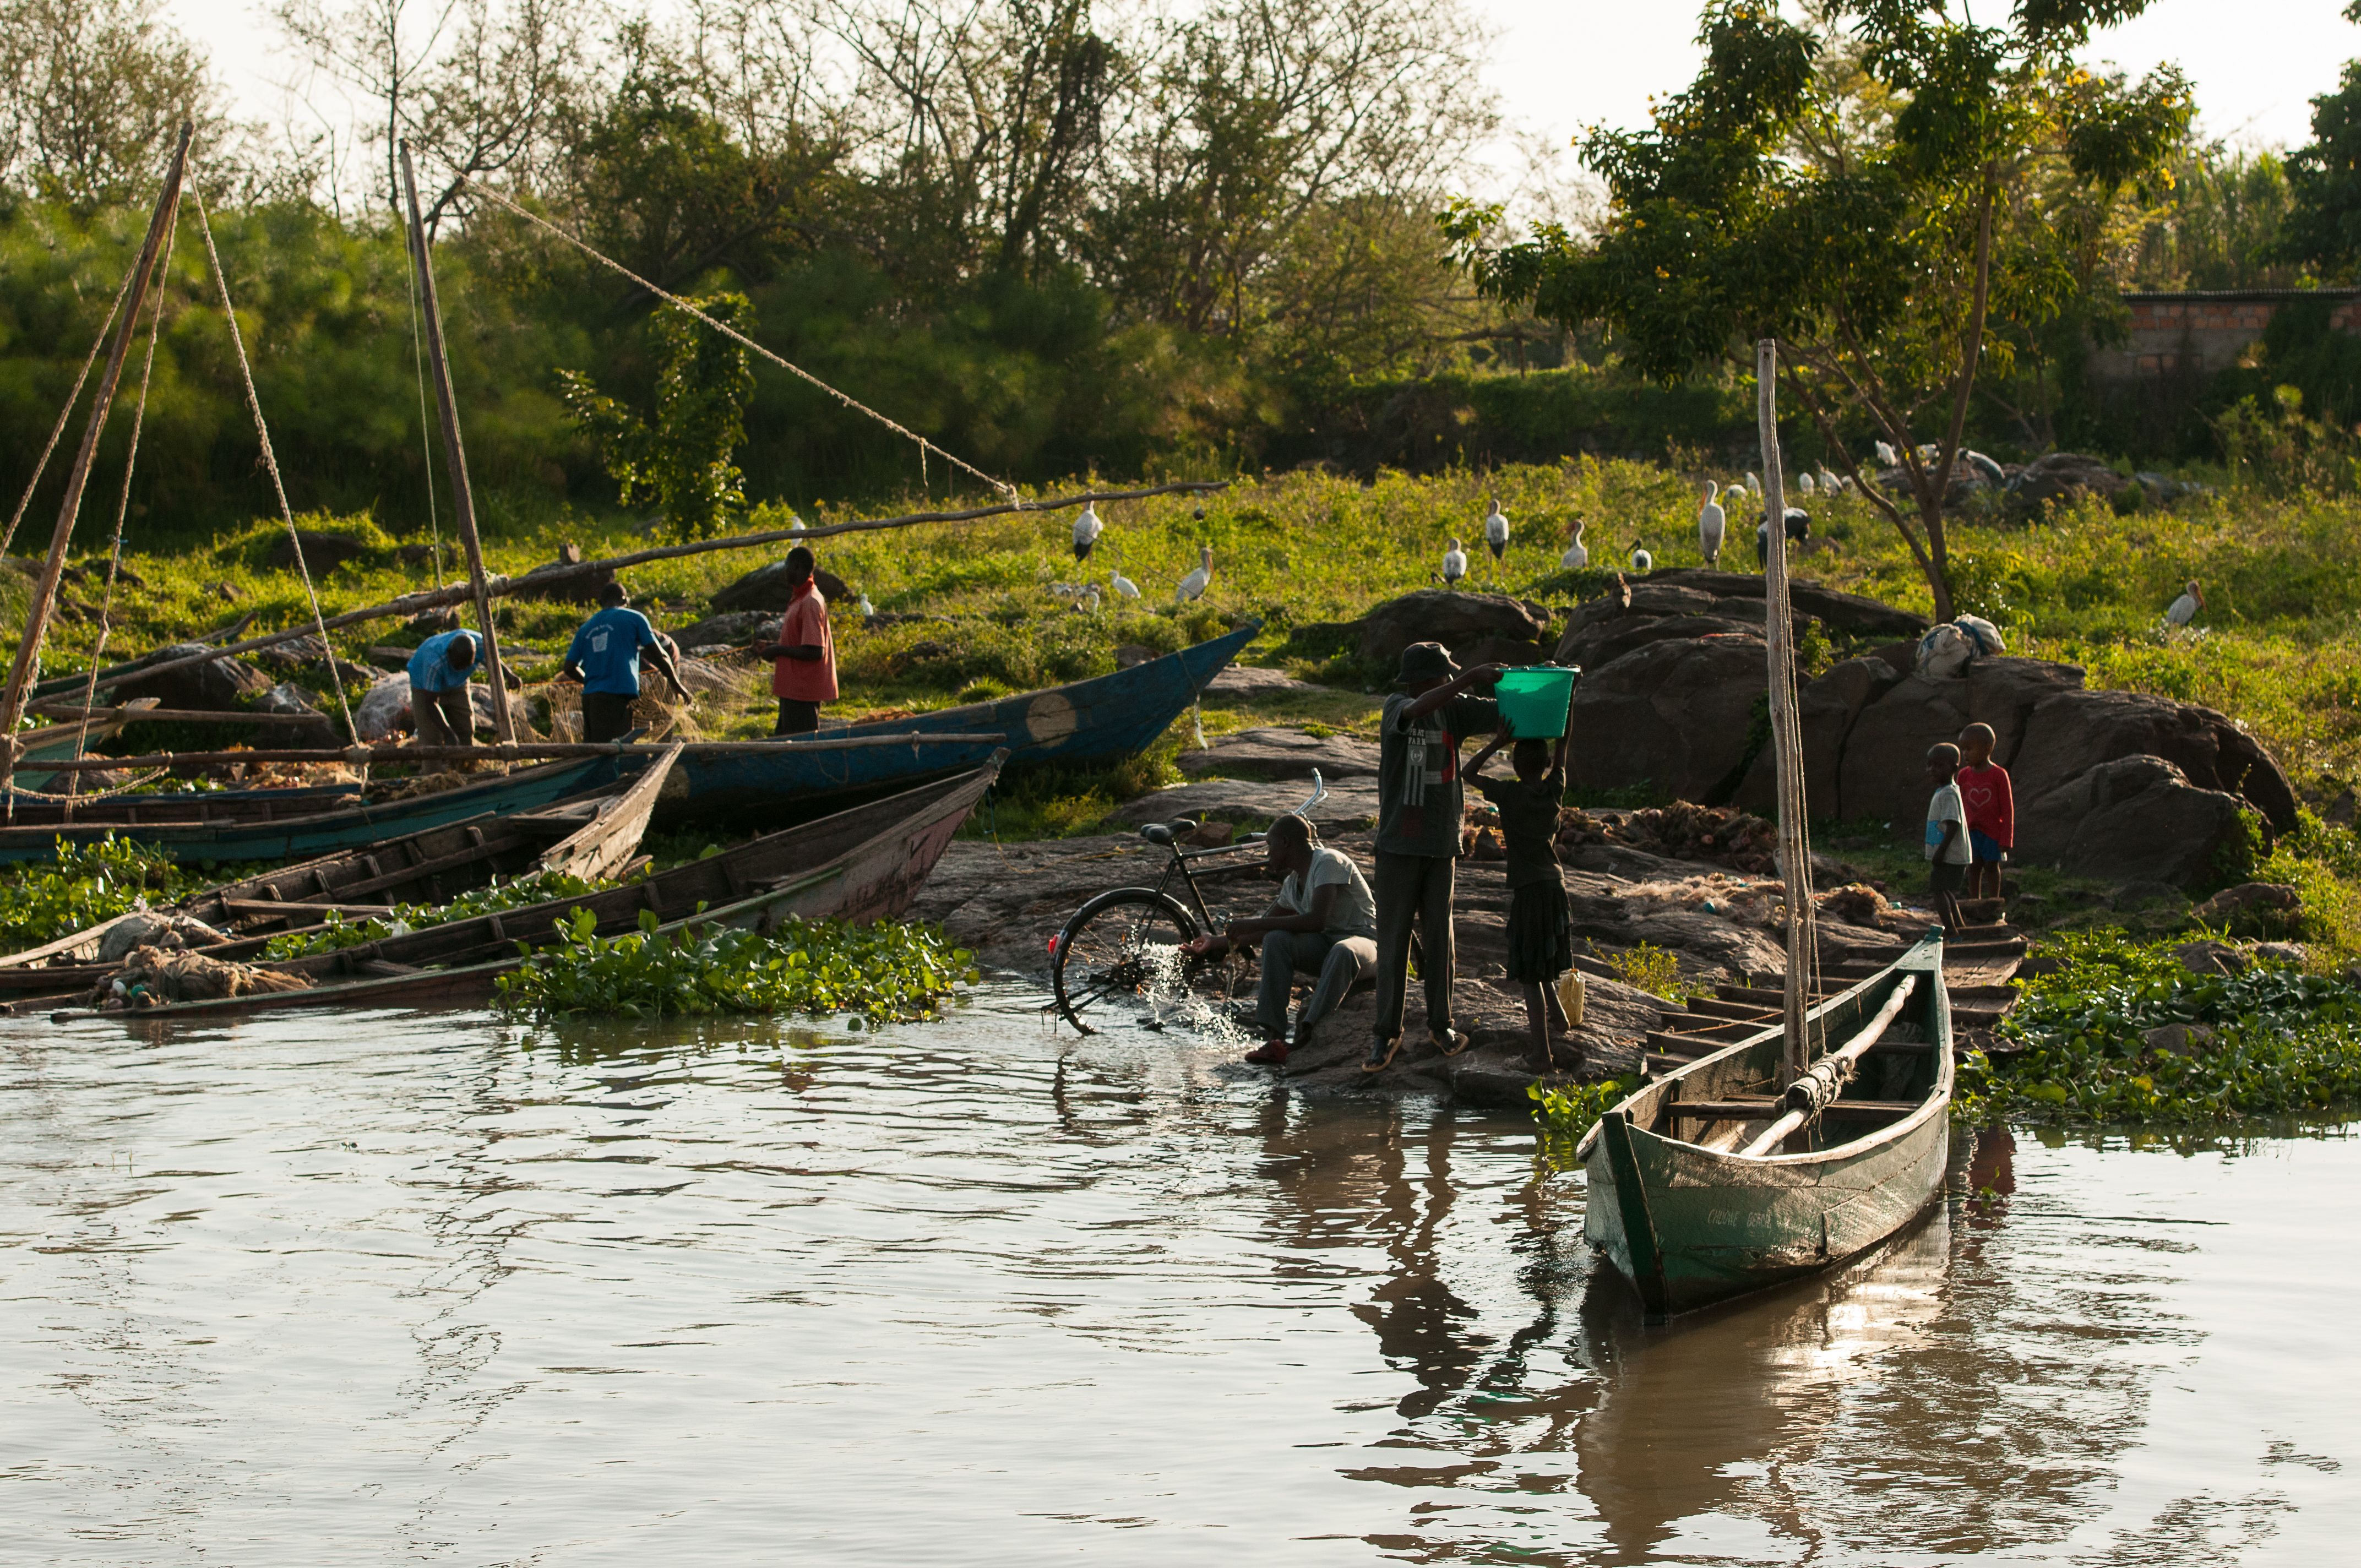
803, 674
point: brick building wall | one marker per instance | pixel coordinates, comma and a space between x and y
2185, 336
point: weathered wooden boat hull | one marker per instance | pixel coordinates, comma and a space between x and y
1690, 1225
1092, 721
321, 826
864, 864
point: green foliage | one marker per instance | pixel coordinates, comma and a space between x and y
682, 458
1649, 967
41, 901
2323, 224
881, 973
1565, 1111
2287, 1042
336, 933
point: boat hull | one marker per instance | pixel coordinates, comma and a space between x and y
1690, 1225
1087, 721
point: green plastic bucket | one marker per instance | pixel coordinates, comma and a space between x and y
1534, 701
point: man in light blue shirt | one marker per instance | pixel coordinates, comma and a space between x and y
604, 657
438, 689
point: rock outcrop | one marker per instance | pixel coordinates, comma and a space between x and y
1675, 717
765, 588
216, 686
1476, 627
1281, 754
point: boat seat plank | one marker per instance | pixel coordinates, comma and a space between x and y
1764, 1110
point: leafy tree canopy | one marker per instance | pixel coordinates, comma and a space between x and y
2323, 224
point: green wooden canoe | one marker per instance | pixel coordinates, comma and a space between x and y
1691, 1221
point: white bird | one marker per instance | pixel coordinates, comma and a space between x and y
2184, 609
1805, 482
1711, 524
1454, 564
1830, 482
867, 610
794, 525
1496, 531
1993, 474
1087, 528
1123, 586
1194, 584
1090, 597
1577, 554
1886, 456
1641, 560
1754, 481
1928, 452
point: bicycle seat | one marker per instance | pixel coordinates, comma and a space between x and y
1156, 833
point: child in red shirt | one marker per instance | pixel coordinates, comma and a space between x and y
1991, 806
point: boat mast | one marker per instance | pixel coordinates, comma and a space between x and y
21, 674
463, 496
1786, 732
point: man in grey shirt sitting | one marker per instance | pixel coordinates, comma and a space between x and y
1323, 921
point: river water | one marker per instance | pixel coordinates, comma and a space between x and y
392, 1288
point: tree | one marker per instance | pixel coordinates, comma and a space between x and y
1870, 188
90, 93
2323, 224
684, 458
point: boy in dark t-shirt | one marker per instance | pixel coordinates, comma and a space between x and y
1418, 836
1541, 928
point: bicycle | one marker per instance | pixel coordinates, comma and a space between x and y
1129, 941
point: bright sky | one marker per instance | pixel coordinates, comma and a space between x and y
1559, 64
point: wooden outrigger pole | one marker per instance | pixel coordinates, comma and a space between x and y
22, 673
463, 497
1787, 731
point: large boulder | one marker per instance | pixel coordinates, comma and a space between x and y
2072, 732
383, 710
1883, 771
1672, 716
2131, 819
1602, 643
323, 552
215, 686
765, 588
730, 629
1283, 755
2065, 476
1847, 614
1473, 626
1827, 708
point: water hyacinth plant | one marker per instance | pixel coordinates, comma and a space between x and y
888, 973
336, 933
1565, 1111
86, 884
2272, 1041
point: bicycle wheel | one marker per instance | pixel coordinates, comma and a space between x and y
1121, 951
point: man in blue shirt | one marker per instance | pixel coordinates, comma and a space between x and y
438, 689
605, 658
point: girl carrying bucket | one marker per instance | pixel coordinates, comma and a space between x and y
1540, 936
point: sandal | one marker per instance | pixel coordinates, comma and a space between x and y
1381, 1054
1450, 1042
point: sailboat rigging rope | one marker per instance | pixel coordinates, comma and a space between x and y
66, 413
1006, 490
123, 501
270, 462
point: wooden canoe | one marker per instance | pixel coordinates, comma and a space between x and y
593, 836
63, 742
867, 863
1690, 1219
290, 823
1084, 721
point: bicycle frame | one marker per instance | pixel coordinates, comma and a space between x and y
1180, 863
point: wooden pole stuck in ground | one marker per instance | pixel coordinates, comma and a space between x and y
1794, 852
45, 591
463, 497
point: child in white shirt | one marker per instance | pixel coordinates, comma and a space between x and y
1948, 852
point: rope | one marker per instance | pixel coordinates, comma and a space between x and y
271, 461
1006, 490
66, 413
425, 435
142, 781
123, 501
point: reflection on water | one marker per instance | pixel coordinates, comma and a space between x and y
312, 1291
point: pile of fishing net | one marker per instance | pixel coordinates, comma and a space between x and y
1722, 835
152, 976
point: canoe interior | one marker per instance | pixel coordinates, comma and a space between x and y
327, 821
865, 864
1690, 1222
1090, 721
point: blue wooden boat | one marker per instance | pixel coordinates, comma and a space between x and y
326, 829
1084, 722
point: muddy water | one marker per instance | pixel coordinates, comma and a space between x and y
392, 1289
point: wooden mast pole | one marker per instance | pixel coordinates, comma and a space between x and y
45, 592
1786, 735
455, 456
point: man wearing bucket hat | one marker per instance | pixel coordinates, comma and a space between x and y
1418, 835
